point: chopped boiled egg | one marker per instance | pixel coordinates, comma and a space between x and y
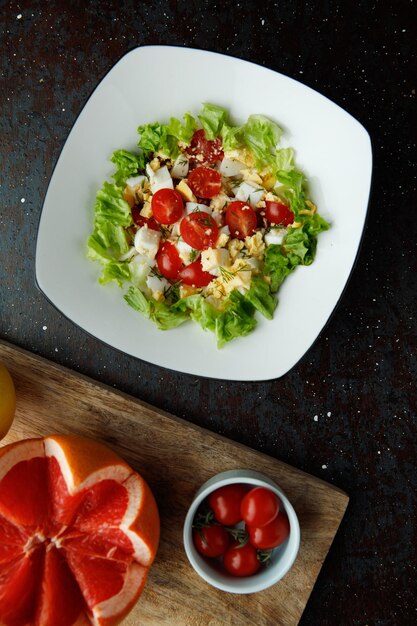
255, 245
219, 202
243, 155
147, 241
231, 167
275, 236
249, 193
157, 285
180, 167
128, 255
136, 181
186, 252
212, 260
235, 246
146, 210
161, 179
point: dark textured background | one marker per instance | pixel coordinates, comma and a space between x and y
360, 376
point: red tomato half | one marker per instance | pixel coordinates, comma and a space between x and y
199, 230
209, 150
278, 213
211, 541
271, 535
141, 221
241, 561
259, 507
225, 503
204, 182
241, 219
167, 206
168, 260
194, 275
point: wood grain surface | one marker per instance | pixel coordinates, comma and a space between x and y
176, 457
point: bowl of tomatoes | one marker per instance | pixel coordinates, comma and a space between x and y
241, 533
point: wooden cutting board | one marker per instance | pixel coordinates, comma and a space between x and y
176, 457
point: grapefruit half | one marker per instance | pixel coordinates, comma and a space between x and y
79, 530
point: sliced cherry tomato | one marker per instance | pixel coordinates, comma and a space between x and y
205, 182
199, 230
194, 275
211, 541
241, 219
241, 561
271, 535
278, 213
168, 260
167, 206
141, 221
259, 507
225, 503
204, 151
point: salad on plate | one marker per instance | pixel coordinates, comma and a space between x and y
204, 222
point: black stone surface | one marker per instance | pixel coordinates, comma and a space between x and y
359, 378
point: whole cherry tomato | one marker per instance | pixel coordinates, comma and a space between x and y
212, 540
271, 535
241, 560
225, 503
259, 507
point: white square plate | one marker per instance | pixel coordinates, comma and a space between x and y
151, 84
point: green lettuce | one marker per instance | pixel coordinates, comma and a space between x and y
164, 138
261, 135
164, 315
199, 310
261, 297
128, 164
110, 206
237, 320
118, 272
182, 132
277, 266
212, 118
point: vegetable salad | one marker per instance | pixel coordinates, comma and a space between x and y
204, 221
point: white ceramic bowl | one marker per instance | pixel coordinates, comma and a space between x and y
282, 558
332, 148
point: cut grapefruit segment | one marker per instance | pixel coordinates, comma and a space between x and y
60, 602
78, 531
104, 503
12, 541
19, 583
108, 542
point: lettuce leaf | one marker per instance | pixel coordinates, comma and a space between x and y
128, 164
261, 135
156, 138
200, 311
277, 266
110, 206
164, 315
212, 118
237, 320
118, 272
260, 296
182, 132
